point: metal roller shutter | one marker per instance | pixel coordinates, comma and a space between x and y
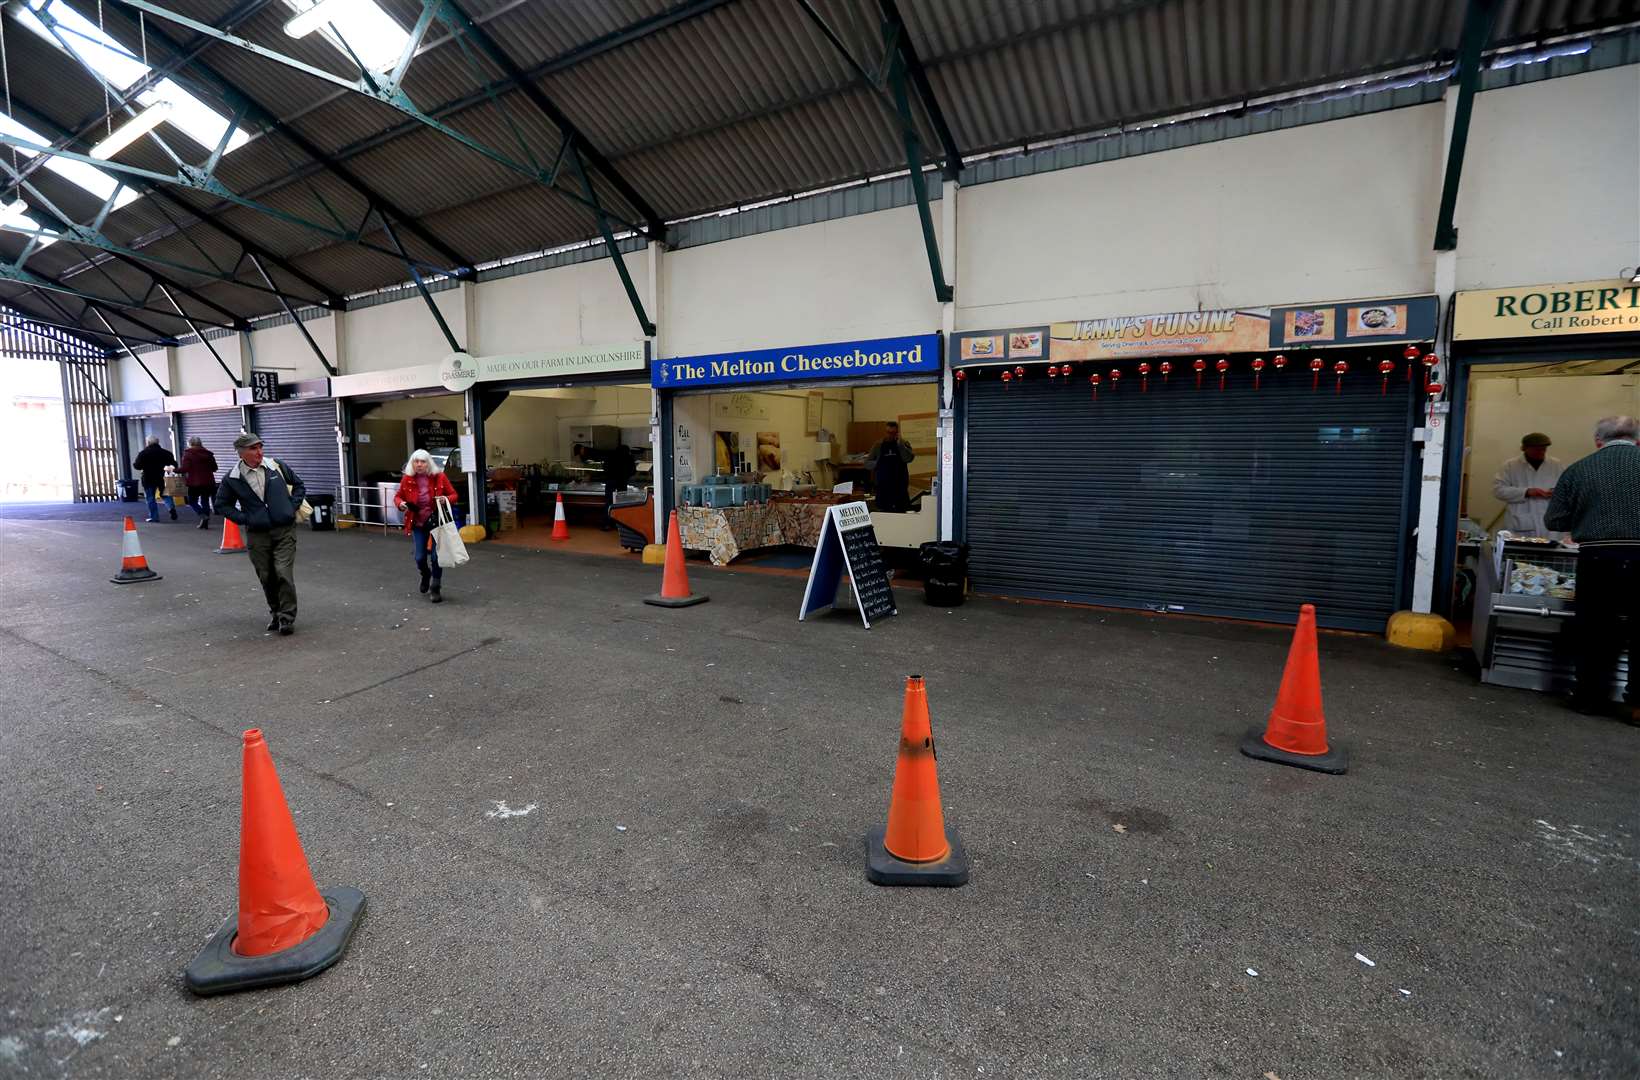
217, 428
302, 434
1242, 503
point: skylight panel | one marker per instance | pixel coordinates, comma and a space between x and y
80, 173
368, 31
115, 63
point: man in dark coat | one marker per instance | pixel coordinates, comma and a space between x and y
263, 499
151, 463
889, 463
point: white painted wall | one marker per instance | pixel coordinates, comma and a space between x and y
132, 384
1325, 212
401, 334
283, 349
582, 304
534, 427
198, 372
1550, 181
859, 277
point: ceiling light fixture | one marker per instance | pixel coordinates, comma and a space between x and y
313, 18
15, 213
132, 130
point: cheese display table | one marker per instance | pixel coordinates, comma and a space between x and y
726, 532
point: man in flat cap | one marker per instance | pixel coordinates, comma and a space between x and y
1525, 484
264, 499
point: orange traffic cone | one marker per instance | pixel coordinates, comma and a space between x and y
915, 849
133, 566
286, 929
675, 579
560, 527
1296, 733
233, 541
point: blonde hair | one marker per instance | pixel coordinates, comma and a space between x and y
433, 468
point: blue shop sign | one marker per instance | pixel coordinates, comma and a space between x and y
838, 360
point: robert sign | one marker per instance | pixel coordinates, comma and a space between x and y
838, 360
1583, 307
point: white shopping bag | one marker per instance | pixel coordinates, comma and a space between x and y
451, 551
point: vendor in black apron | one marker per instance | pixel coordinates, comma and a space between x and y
890, 462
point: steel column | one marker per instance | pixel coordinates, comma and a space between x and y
1477, 30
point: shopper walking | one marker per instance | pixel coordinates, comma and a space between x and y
420, 488
262, 498
1598, 502
151, 464
198, 471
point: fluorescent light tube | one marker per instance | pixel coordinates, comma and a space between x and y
313, 18
132, 130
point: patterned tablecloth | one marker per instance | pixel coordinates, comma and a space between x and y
725, 533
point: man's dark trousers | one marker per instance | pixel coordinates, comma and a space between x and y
273, 554
1608, 596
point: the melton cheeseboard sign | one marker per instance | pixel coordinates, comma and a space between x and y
848, 544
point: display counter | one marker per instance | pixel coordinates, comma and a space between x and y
1525, 600
726, 532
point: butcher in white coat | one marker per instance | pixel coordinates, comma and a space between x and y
1524, 486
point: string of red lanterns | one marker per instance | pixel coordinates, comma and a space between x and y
1412, 354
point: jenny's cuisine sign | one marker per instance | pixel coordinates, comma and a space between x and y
1581, 307
1186, 333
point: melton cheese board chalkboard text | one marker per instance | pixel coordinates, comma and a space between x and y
848, 544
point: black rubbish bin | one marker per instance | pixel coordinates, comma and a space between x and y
130, 490
945, 572
324, 513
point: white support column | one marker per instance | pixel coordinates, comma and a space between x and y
469, 318
1434, 443
661, 473
948, 323
341, 344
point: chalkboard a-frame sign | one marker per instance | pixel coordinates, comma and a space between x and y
849, 543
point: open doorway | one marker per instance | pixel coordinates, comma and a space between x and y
33, 435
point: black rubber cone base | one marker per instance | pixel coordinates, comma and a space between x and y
131, 577
1336, 760
220, 970
884, 869
666, 601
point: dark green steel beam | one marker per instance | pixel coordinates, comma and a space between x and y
1477, 30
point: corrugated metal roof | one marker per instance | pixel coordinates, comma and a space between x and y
731, 102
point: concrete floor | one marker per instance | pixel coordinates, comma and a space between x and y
1130, 868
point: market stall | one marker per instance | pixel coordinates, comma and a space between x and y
805, 427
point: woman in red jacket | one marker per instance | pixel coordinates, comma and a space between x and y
198, 469
421, 486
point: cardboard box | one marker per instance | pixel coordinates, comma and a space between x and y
509, 520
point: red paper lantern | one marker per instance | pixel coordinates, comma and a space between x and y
1019, 373
1222, 366
1115, 377
1144, 378
1258, 370
1341, 369
1280, 362
1384, 369
1200, 366
1167, 369
1410, 352
960, 376
1007, 376
1434, 391
1093, 381
1052, 371
1315, 373
1430, 361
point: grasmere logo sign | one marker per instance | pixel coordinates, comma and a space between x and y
1579, 307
